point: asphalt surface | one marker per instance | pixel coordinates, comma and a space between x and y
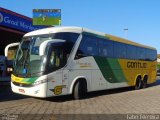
120, 103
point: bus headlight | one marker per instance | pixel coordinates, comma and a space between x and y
39, 82
9, 69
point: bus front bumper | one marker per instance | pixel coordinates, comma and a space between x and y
36, 91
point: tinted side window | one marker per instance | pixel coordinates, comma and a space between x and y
88, 46
141, 53
12, 52
153, 55
119, 50
148, 54
72, 37
105, 48
131, 52
69, 37
57, 56
55, 59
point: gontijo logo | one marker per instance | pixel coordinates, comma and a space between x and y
1, 18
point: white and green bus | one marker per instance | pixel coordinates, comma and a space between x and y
73, 60
10, 52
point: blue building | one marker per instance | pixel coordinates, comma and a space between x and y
13, 26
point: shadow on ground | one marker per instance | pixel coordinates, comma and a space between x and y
89, 95
6, 93
97, 93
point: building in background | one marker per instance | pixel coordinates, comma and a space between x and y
13, 26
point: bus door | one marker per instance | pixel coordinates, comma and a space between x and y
54, 69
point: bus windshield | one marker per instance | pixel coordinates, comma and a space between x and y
11, 52
29, 63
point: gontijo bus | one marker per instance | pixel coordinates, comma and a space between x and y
74, 60
10, 52
6, 63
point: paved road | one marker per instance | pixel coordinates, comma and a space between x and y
97, 105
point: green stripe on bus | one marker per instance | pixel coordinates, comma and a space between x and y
30, 80
110, 69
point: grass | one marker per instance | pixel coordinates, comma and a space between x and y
46, 21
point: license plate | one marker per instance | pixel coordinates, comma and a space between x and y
21, 90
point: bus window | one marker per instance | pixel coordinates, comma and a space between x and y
120, 50
55, 58
10, 51
105, 48
131, 52
88, 47
140, 53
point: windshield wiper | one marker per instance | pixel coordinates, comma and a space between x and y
27, 57
18, 59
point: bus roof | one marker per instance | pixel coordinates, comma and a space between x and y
122, 40
118, 39
80, 30
54, 30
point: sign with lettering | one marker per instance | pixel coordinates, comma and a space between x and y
16, 22
46, 16
136, 65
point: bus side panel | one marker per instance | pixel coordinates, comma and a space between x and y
112, 72
83, 68
153, 72
55, 86
77, 74
134, 68
105, 73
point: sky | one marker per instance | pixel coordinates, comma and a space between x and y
140, 17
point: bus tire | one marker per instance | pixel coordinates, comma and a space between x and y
80, 89
144, 82
138, 84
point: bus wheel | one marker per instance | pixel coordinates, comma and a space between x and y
144, 82
80, 90
138, 83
